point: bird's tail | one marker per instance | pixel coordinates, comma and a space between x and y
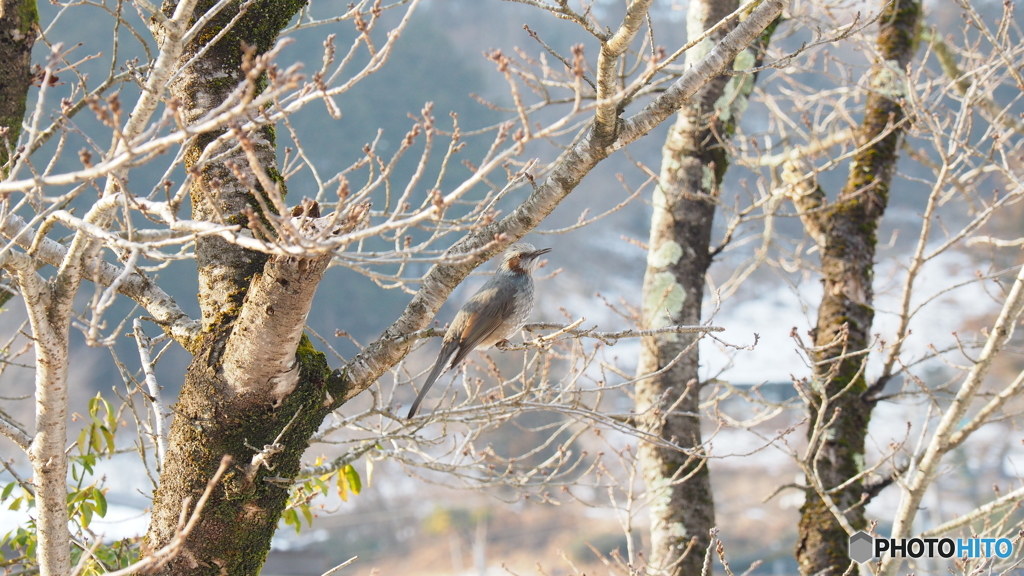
439, 367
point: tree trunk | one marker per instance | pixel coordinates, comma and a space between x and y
693, 165
48, 307
254, 307
847, 240
47, 454
19, 25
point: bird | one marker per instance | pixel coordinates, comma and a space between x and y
497, 311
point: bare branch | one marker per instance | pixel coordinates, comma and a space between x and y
171, 318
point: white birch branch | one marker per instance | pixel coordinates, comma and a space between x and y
607, 114
14, 434
166, 312
976, 514
160, 413
46, 452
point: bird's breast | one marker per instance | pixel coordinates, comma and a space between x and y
521, 303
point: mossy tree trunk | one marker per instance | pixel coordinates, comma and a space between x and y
260, 413
19, 25
693, 165
846, 233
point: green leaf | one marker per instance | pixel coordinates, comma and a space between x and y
7, 491
321, 485
111, 419
86, 511
109, 436
95, 440
88, 461
307, 514
291, 517
83, 447
101, 501
352, 478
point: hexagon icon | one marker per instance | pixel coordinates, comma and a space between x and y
861, 545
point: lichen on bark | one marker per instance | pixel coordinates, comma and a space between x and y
694, 162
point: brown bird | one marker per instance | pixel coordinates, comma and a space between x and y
493, 314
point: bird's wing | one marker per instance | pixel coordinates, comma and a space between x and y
484, 314
487, 311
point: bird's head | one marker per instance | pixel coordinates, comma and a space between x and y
521, 258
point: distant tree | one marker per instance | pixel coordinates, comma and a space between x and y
931, 130
845, 231
693, 165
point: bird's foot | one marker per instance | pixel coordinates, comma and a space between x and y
502, 344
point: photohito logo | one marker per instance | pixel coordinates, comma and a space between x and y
864, 547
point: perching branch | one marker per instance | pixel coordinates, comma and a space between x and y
563, 177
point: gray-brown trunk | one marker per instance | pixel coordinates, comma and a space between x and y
19, 25
848, 240
253, 307
693, 164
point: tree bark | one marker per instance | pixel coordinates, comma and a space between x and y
847, 231
253, 306
693, 164
225, 269
48, 307
19, 25
47, 453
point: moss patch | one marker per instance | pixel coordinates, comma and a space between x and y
234, 533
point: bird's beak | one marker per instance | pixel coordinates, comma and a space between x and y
538, 253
